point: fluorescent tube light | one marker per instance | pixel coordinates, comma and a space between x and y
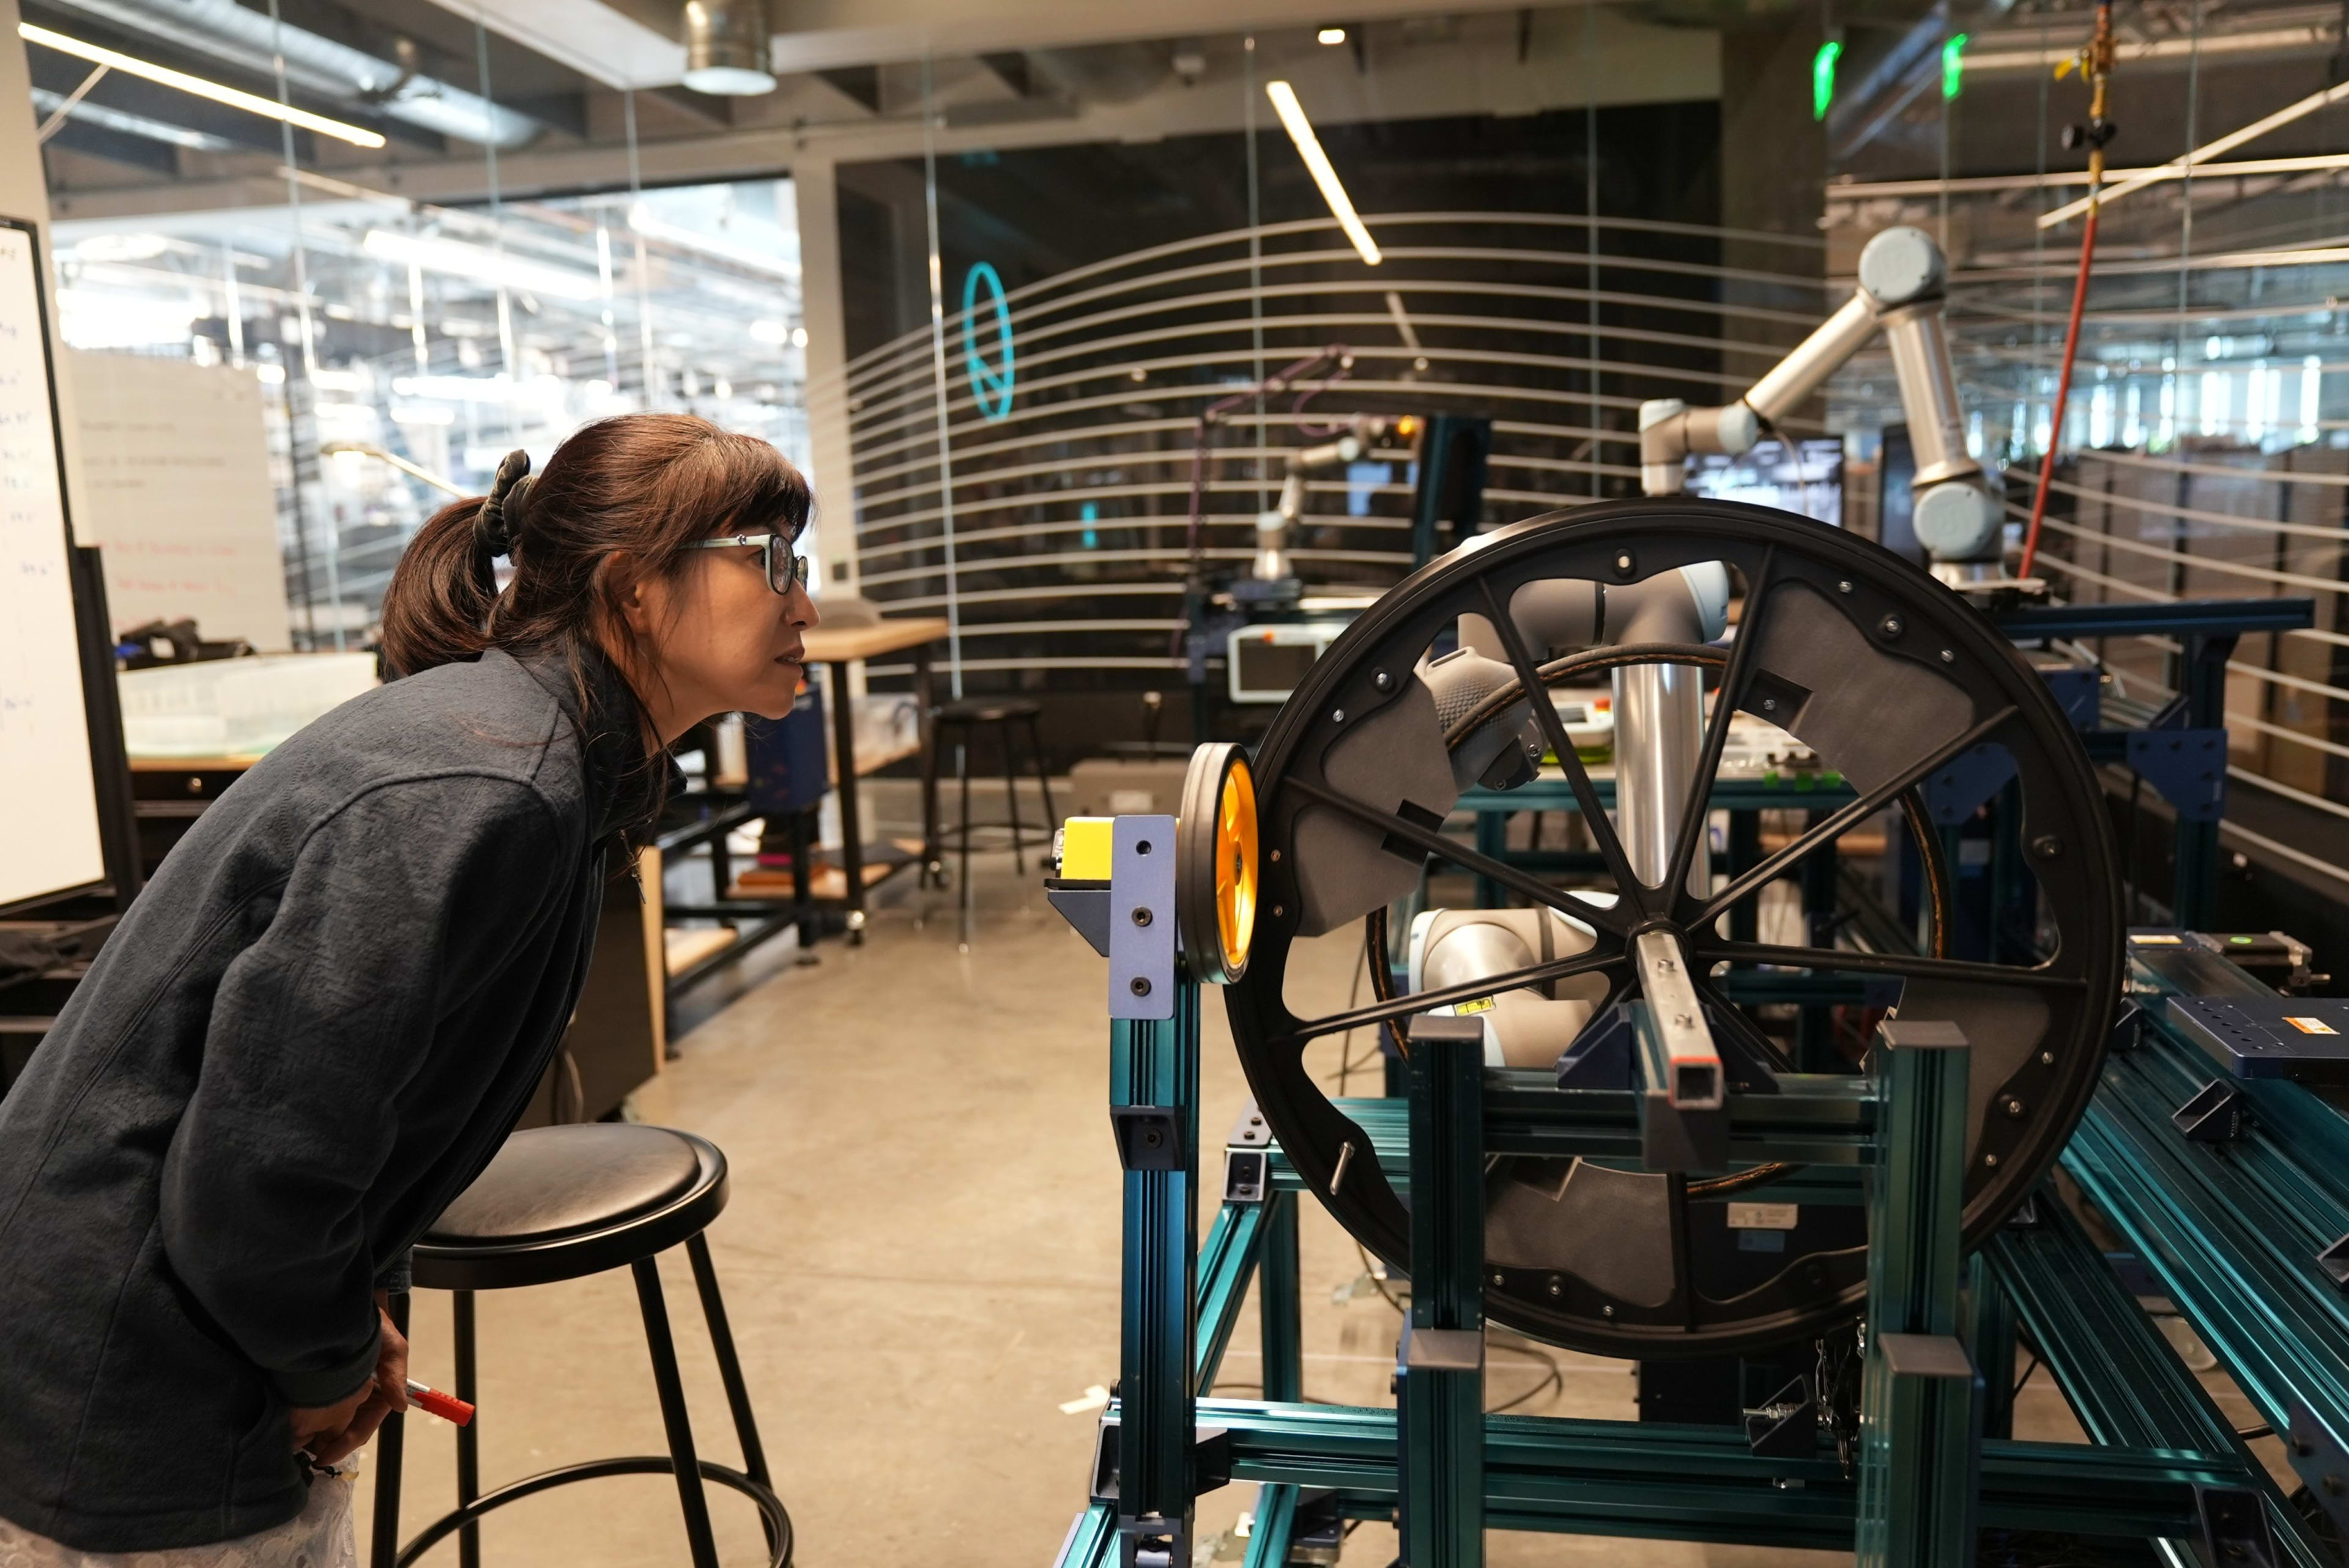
1317, 163
481, 263
251, 103
1330, 36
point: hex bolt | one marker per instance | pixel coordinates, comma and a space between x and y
2015, 1108
1337, 716
1498, 1279
1607, 1311
1990, 1161
1141, 916
2047, 1059
1843, 586
1277, 911
1769, 705
1556, 1288
2047, 846
1139, 986
1380, 679
1949, 656
1889, 626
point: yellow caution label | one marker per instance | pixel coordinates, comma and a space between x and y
1475, 1004
2156, 939
2312, 1025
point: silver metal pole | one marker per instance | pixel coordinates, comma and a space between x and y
1659, 736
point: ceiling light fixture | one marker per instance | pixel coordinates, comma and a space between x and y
235, 97
1330, 36
728, 51
1317, 163
479, 264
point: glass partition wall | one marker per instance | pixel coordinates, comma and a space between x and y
2200, 452
406, 346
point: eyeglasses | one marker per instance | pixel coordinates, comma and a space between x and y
786, 568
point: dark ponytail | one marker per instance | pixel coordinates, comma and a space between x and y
619, 501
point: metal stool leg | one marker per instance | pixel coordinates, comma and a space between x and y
469, 1436
962, 767
729, 1365
701, 1542
1011, 798
391, 1440
1044, 779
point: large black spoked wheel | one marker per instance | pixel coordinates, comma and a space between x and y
1860, 656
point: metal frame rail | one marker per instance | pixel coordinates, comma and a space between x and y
2165, 1466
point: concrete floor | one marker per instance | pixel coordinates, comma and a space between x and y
920, 1260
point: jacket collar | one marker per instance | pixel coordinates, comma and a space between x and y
624, 785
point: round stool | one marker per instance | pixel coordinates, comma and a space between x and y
959, 723
557, 1204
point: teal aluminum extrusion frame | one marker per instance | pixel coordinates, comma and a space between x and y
2232, 1229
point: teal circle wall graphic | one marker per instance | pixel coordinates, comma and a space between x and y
991, 375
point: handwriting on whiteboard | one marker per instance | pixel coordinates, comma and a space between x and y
48, 795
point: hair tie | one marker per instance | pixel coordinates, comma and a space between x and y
504, 511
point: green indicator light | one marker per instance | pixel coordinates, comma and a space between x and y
1954, 65
2240, 941
1823, 65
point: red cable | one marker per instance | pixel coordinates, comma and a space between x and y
2063, 391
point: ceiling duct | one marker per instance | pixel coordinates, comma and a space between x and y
1105, 73
227, 31
727, 49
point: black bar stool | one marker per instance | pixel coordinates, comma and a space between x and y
557, 1204
958, 724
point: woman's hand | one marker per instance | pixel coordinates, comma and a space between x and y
331, 1431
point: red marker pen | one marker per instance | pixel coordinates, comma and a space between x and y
448, 1407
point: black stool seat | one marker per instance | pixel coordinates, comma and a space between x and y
959, 723
560, 1203
984, 710
557, 1204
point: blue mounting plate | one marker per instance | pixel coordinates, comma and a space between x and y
2302, 1038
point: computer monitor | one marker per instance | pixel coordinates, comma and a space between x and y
1807, 480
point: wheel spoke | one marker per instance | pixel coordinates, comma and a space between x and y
1467, 859
1820, 834
1552, 728
1759, 1044
1697, 806
1851, 962
1422, 1001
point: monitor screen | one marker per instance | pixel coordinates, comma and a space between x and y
1808, 480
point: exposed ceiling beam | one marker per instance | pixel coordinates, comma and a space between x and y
622, 46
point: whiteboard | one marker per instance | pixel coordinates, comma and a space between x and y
48, 797
176, 492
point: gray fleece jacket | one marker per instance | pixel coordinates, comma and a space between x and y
309, 1034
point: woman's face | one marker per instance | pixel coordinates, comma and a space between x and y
721, 639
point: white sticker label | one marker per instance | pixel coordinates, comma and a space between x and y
1764, 1216
2312, 1025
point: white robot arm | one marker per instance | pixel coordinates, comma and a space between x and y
1901, 273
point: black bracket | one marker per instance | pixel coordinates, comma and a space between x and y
2128, 1027
2235, 1530
2320, 1462
2214, 1115
1787, 1426
1211, 1460
1247, 1176
2334, 1261
1149, 1137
